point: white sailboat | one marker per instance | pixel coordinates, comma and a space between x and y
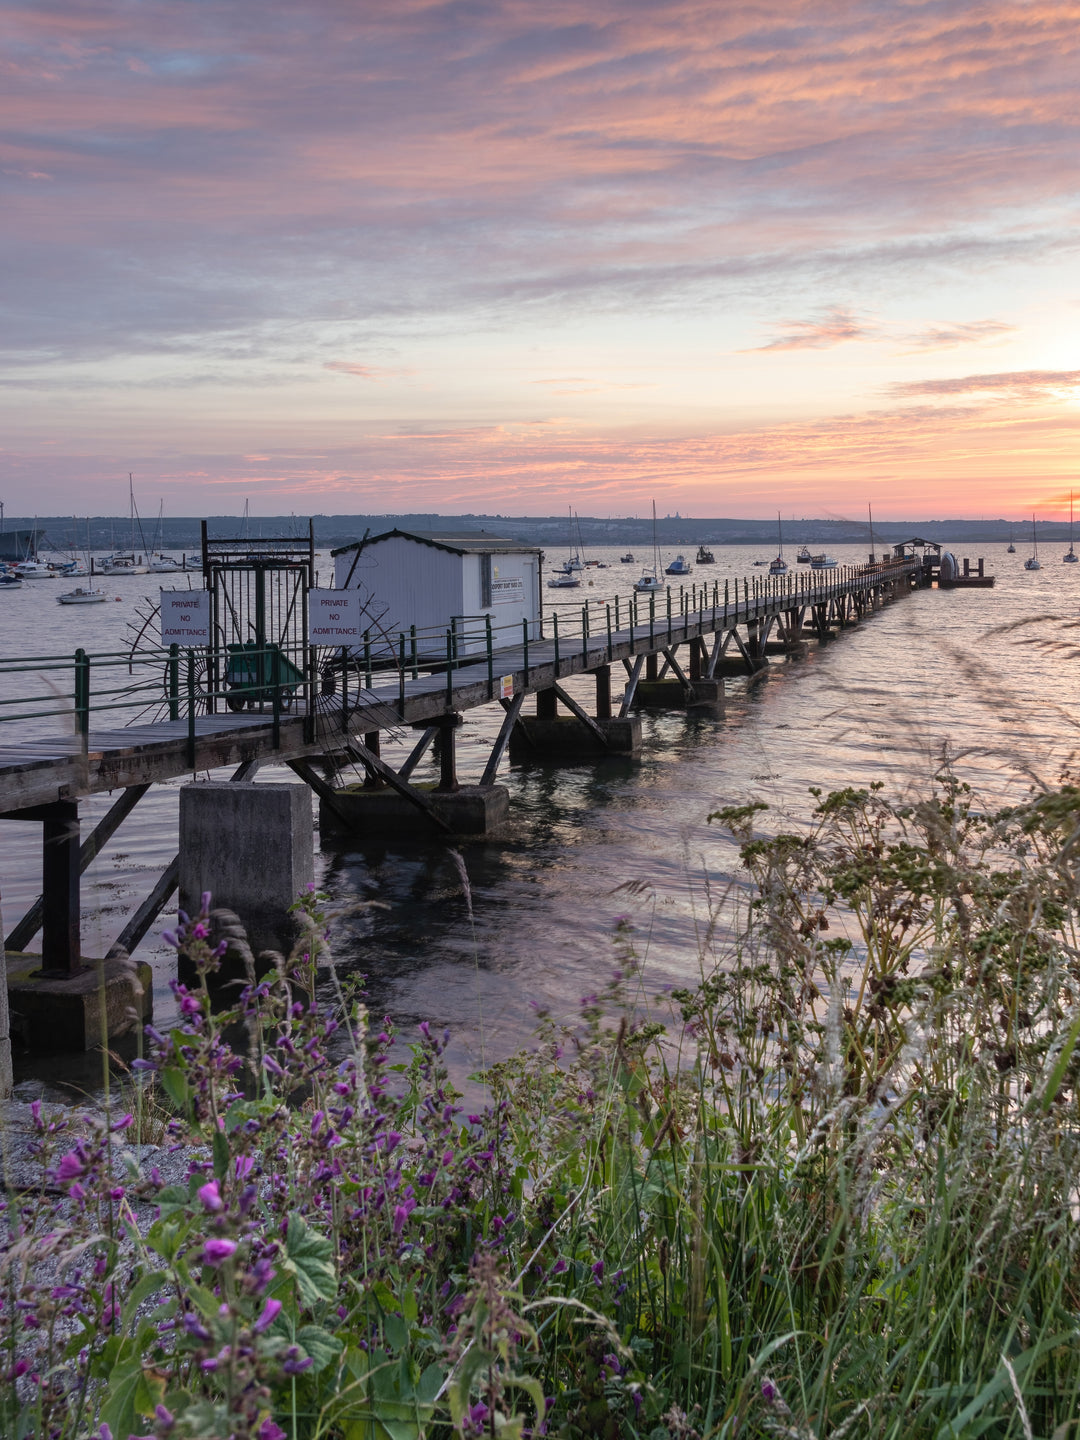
127, 562
1070, 557
649, 581
1032, 562
83, 594
779, 566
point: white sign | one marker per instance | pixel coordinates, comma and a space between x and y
185, 617
503, 592
506, 684
335, 617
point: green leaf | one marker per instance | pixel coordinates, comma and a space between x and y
175, 1085
118, 1412
221, 1155
323, 1347
309, 1256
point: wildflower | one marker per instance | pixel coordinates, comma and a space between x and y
70, 1166
268, 1430
216, 1252
210, 1197
267, 1317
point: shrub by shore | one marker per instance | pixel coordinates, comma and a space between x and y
832, 1192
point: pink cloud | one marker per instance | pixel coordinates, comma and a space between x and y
1012, 387
833, 327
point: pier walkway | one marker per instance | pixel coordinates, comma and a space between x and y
60, 740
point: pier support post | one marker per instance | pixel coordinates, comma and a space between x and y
60, 942
547, 704
372, 779
603, 692
446, 745
251, 846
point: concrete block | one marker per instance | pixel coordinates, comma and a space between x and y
72, 1012
372, 814
252, 847
568, 739
706, 697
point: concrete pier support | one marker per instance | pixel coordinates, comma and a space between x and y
699, 697
567, 740
252, 847
377, 814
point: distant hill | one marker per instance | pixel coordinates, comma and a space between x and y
551, 531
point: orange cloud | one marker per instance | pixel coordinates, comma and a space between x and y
1023, 386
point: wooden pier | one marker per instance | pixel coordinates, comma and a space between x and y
686, 642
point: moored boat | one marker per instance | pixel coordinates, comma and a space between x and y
81, 595
1032, 562
705, 556
822, 562
679, 566
627, 559
803, 556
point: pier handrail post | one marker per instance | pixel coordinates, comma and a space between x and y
585, 635
174, 679
490, 657
608, 608
617, 625
275, 673
555, 636
401, 673
451, 645
525, 647
652, 616
367, 658
82, 695
669, 614
412, 652
190, 708
454, 635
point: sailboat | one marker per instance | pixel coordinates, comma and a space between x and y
779, 566
566, 576
84, 594
1011, 549
1032, 562
649, 581
158, 563
126, 562
1070, 557
573, 559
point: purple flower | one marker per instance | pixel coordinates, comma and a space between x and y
210, 1197
769, 1392
244, 1166
268, 1430
165, 1417
216, 1252
124, 1122
70, 1166
269, 1315
598, 1271
199, 931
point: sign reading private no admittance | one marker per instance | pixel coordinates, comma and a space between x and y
334, 617
185, 617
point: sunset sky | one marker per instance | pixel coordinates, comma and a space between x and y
394, 255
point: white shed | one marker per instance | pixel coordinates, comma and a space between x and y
439, 581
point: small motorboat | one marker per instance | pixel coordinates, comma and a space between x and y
82, 596
1010, 549
34, 570
822, 562
648, 583
705, 556
627, 559
803, 556
679, 566
10, 581
564, 580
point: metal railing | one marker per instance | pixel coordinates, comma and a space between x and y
170, 684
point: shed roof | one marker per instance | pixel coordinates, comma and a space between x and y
473, 543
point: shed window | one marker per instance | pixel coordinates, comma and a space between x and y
485, 582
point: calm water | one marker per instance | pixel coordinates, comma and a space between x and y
590, 843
